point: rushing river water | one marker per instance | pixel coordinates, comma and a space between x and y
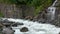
34, 27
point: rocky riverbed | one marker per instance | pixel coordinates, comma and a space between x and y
30, 27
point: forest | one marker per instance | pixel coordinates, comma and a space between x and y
39, 5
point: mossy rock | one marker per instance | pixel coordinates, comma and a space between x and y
24, 29
1, 25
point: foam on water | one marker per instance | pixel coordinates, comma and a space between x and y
34, 27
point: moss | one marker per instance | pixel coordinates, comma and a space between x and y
42, 6
1, 14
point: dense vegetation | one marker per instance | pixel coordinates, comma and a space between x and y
1, 14
39, 5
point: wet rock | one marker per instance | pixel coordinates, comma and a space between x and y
7, 21
7, 31
59, 32
29, 17
24, 29
15, 24
35, 19
1, 25
18, 23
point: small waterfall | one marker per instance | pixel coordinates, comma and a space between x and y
54, 3
51, 11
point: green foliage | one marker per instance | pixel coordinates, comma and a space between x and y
1, 14
8, 1
43, 4
39, 5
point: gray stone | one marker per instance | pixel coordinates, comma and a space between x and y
24, 29
7, 31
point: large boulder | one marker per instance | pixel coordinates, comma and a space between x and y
7, 31
24, 29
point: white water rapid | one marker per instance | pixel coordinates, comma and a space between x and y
33, 27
